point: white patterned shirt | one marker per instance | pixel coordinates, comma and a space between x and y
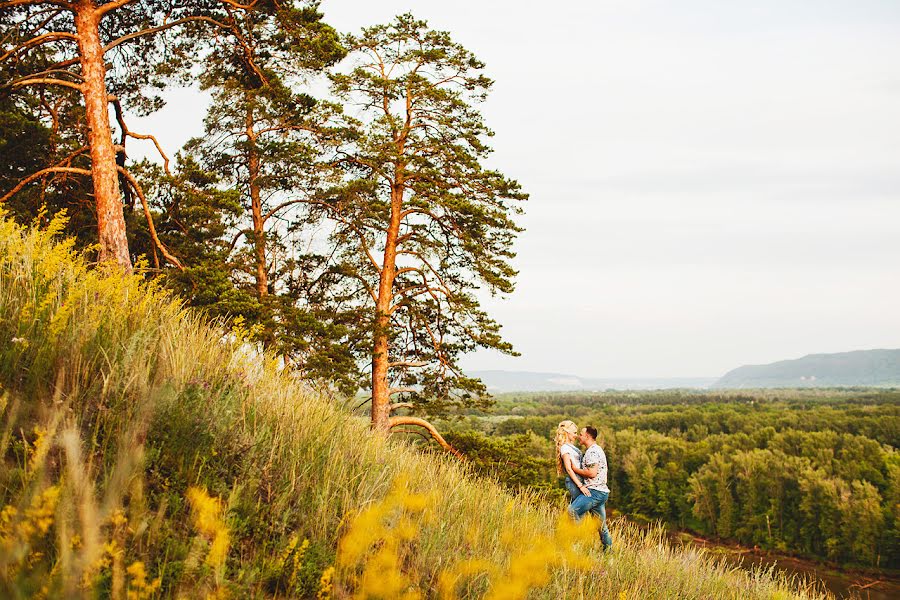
595, 456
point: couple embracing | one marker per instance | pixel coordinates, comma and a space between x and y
585, 474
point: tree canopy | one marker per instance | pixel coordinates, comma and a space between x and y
354, 229
420, 222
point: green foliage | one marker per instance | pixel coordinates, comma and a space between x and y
812, 472
420, 223
516, 462
257, 151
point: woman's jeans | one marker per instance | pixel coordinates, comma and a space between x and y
573, 490
595, 504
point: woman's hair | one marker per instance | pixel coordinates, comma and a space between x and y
563, 431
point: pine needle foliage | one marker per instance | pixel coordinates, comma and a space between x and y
422, 224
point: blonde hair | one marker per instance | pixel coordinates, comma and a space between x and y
564, 431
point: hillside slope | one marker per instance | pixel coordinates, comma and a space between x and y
858, 368
144, 454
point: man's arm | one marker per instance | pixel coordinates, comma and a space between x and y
590, 472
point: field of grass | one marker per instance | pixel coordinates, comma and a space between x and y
146, 454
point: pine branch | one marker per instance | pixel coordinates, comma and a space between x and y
40, 40
38, 175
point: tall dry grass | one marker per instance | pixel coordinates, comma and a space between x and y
146, 454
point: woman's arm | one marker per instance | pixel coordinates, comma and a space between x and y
570, 469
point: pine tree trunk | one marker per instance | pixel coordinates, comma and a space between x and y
259, 232
381, 396
107, 197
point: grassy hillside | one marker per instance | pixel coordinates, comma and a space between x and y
144, 455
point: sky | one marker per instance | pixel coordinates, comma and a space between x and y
711, 183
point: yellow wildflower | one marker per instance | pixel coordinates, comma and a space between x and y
207, 515
39, 449
325, 586
138, 586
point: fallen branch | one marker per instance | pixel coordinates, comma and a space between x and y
414, 432
868, 585
399, 421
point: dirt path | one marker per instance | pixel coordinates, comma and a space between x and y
842, 583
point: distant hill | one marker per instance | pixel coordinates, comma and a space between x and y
529, 381
859, 368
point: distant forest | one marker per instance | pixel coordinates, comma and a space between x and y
813, 472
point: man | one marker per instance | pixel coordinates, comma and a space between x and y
594, 470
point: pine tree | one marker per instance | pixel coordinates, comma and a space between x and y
259, 142
109, 52
420, 224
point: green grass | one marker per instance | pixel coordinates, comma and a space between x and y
116, 401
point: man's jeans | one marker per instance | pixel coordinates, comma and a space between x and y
596, 504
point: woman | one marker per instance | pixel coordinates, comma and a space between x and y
567, 456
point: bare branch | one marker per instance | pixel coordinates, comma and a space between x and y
362, 238
12, 3
139, 136
421, 290
105, 8
152, 30
44, 38
240, 6
401, 390
235, 239
156, 241
38, 175
399, 405
399, 421
408, 363
45, 81
281, 206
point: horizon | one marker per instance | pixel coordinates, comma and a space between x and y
681, 376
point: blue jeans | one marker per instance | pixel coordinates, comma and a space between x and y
594, 504
573, 490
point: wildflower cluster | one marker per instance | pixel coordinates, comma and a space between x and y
325, 585
20, 531
207, 512
291, 560
375, 538
530, 566
138, 586
377, 535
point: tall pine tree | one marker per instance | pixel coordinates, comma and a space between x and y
109, 51
421, 225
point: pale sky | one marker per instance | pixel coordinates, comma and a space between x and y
712, 183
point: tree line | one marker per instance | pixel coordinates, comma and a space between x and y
815, 473
348, 232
